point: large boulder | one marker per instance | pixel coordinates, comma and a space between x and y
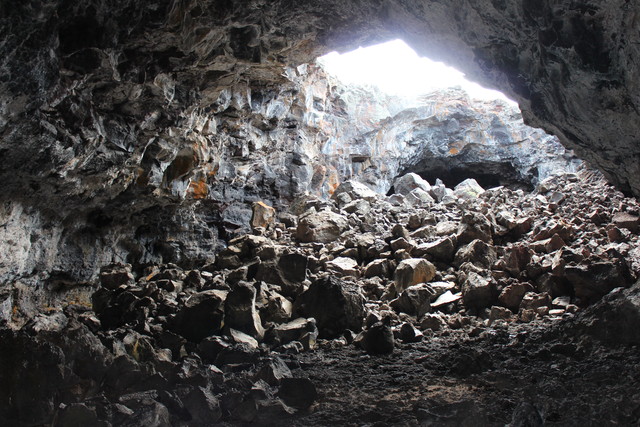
468, 189
409, 182
240, 311
336, 305
356, 190
478, 291
477, 253
324, 227
263, 215
415, 300
201, 316
413, 271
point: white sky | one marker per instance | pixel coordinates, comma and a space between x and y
398, 70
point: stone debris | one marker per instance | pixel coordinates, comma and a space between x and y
210, 343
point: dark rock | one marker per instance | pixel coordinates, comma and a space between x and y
378, 339
335, 304
298, 392
478, 291
478, 253
201, 316
115, 275
240, 311
415, 300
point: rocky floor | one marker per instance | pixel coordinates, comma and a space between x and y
432, 306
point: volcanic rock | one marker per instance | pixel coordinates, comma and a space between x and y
322, 227
335, 304
413, 271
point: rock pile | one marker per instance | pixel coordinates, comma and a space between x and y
168, 346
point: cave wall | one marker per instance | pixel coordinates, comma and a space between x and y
125, 131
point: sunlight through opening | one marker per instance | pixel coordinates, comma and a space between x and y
396, 69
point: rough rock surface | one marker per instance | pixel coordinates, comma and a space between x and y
277, 330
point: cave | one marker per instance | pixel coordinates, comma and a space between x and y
200, 226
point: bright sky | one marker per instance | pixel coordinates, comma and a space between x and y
398, 70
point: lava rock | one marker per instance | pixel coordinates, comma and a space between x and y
240, 311
201, 316
478, 291
323, 227
298, 392
413, 271
263, 216
335, 304
378, 339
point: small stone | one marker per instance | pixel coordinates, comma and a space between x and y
263, 216
446, 298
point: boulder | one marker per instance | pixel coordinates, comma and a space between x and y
468, 189
115, 275
323, 227
512, 295
474, 226
419, 198
477, 253
378, 339
344, 266
439, 250
592, 281
378, 268
626, 220
263, 215
336, 305
299, 393
415, 300
201, 316
533, 301
478, 291
356, 190
240, 311
413, 271
409, 182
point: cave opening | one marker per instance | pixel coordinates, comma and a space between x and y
436, 123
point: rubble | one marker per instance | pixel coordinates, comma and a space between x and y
170, 341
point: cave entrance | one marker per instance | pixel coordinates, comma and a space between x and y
425, 117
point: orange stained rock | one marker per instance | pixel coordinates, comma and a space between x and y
199, 189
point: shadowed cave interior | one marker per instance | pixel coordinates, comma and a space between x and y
200, 224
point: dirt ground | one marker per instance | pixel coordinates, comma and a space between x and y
522, 375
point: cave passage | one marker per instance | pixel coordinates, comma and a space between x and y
426, 117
